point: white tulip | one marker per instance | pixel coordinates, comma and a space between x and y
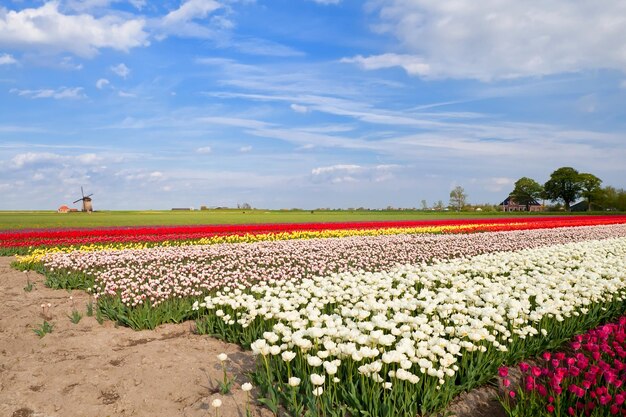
317, 379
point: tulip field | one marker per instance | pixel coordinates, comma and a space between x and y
24, 241
375, 318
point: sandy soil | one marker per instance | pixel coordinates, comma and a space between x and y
88, 369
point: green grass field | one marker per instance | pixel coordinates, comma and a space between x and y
50, 219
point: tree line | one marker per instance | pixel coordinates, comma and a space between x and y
566, 185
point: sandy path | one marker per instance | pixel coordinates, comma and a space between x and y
88, 369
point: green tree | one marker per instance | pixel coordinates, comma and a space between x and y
458, 197
612, 198
526, 191
564, 185
590, 187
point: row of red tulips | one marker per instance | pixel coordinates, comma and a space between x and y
588, 380
65, 237
290, 227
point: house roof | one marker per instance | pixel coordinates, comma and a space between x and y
510, 202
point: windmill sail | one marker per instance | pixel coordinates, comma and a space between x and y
86, 199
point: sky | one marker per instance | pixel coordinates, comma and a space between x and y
305, 103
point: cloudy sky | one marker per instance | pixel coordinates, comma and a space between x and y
305, 103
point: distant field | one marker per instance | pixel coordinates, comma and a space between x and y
50, 219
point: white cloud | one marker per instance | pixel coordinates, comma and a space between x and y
140, 175
125, 94
88, 158
82, 34
6, 59
498, 184
22, 160
500, 39
298, 108
138, 4
204, 149
60, 93
183, 21
68, 63
411, 64
29, 158
121, 69
245, 149
101, 83
189, 10
336, 168
88, 5
256, 46
234, 121
343, 173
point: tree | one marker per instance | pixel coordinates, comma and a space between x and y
458, 197
590, 187
564, 185
612, 198
424, 205
439, 205
526, 191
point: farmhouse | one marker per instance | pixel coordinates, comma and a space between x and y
63, 209
511, 205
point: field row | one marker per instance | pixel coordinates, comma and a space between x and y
25, 242
417, 334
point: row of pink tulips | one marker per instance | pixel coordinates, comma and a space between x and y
157, 274
588, 378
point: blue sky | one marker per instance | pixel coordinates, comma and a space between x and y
305, 103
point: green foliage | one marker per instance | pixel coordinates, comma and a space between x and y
68, 280
89, 308
43, 329
564, 185
611, 198
29, 285
99, 317
146, 316
75, 316
526, 191
226, 383
590, 187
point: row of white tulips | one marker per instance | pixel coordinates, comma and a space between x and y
422, 325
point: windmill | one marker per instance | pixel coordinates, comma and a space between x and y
87, 207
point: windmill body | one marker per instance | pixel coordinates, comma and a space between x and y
86, 199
